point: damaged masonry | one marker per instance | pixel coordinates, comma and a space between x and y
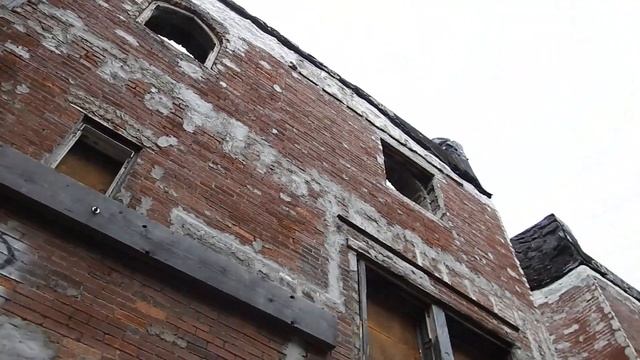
180, 181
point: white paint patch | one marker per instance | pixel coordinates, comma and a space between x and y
123, 196
158, 101
145, 204
21, 51
12, 4
277, 88
23, 340
230, 64
223, 84
571, 329
285, 197
130, 39
22, 89
165, 141
264, 64
195, 71
157, 172
66, 16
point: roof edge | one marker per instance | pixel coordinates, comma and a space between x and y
409, 130
548, 250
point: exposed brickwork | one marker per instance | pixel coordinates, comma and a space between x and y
253, 169
582, 319
101, 305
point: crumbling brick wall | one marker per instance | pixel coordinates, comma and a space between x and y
588, 317
90, 301
256, 158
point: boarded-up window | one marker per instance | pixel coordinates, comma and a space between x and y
393, 322
96, 159
398, 326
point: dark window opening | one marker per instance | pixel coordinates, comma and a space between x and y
182, 30
97, 157
410, 179
468, 344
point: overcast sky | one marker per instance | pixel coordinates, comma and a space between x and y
544, 96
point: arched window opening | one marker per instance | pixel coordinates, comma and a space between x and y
182, 30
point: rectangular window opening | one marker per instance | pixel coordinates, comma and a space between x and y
465, 342
410, 179
97, 157
397, 325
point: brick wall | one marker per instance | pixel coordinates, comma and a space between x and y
588, 317
256, 158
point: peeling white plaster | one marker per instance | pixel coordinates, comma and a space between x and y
277, 88
195, 71
230, 64
190, 225
22, 89
12, 4
264, 64
248, 147
580, 276
242, 33
571, 329
157, 172
21, 51
145, 204
66, 16
130, 39
23, 340
165, 141
124, 196
100, 110
102, 3
158, 101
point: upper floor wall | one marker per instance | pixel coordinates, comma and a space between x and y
265, 157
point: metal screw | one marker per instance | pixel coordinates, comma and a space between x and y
95, 210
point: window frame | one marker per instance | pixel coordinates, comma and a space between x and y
418, 170
432, 335
110, 138
148, 12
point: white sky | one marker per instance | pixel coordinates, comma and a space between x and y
544, 96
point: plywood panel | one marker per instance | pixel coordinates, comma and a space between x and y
89, 166
392, 323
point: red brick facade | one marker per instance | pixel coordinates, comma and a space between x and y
589, 317
259, 158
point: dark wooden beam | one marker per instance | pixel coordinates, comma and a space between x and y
42, 187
